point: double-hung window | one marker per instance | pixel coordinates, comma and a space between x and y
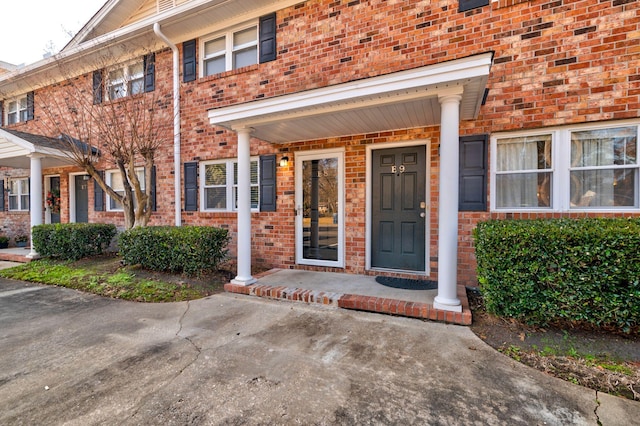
230, 50
219, 191
114, 180
567, 169
17, 110
604, 167
19, 194
125, 80
524, 172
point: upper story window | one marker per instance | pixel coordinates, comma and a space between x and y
17, 110
230, 50
588, 168
125, 80
219, 191
19, 194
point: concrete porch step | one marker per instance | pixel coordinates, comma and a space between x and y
360, 302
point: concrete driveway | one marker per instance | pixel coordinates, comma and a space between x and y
78, 359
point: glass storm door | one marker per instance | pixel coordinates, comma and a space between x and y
319, 209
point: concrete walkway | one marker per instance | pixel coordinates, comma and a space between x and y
78, 359
351, 291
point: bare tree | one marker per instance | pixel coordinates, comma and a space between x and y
105, 118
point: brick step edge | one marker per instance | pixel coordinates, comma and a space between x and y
355, 302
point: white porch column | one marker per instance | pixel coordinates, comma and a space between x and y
35, 197
244, 208
447, 298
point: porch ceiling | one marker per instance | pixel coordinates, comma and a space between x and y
399, 100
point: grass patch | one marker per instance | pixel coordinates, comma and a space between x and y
105, 276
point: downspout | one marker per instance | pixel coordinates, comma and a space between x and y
176, 121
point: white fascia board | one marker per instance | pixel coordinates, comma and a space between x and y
17, 141
438, 77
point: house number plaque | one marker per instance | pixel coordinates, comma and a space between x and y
398, 169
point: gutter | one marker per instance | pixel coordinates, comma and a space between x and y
176, 122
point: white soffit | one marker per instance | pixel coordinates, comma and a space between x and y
14, 152
400, 100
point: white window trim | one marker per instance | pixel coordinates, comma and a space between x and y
19, 110
229, 185
19, 195
127, 78
561, 168
229, 50
108, 176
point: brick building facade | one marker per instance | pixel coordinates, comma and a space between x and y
548, 96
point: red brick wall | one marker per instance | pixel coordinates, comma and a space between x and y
555, 62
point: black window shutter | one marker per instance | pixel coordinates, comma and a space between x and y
30, 106
98, 195
30, 195
149, 65
191, 186
473, 173
153, 189
2, 196
97, 87
267, 38
189, 60
268, 188
464, 5
1, 113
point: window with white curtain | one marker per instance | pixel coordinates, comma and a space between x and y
524, 172
604, 168
572, 168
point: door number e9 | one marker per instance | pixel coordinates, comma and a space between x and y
397, 169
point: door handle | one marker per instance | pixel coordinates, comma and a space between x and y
423, 214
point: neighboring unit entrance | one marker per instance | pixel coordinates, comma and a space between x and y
82, 198
399, 209
54, 190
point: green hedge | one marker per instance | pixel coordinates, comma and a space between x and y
72, 241
562, 270
188, 249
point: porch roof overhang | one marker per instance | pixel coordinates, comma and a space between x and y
401, 100
17, 147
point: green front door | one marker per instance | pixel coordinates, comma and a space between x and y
82, 198
398, 214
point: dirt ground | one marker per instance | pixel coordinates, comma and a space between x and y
599, 360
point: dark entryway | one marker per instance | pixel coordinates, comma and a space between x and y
54, 189
398, 208
82, 198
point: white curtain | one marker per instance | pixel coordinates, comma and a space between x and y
520, 161
592, 185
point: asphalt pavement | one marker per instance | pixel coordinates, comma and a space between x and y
77, 359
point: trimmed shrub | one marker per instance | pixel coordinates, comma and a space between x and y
187, 249
562, 270
72, 241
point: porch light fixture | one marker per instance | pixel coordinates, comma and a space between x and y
284, 161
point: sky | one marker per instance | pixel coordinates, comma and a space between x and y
29, 27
